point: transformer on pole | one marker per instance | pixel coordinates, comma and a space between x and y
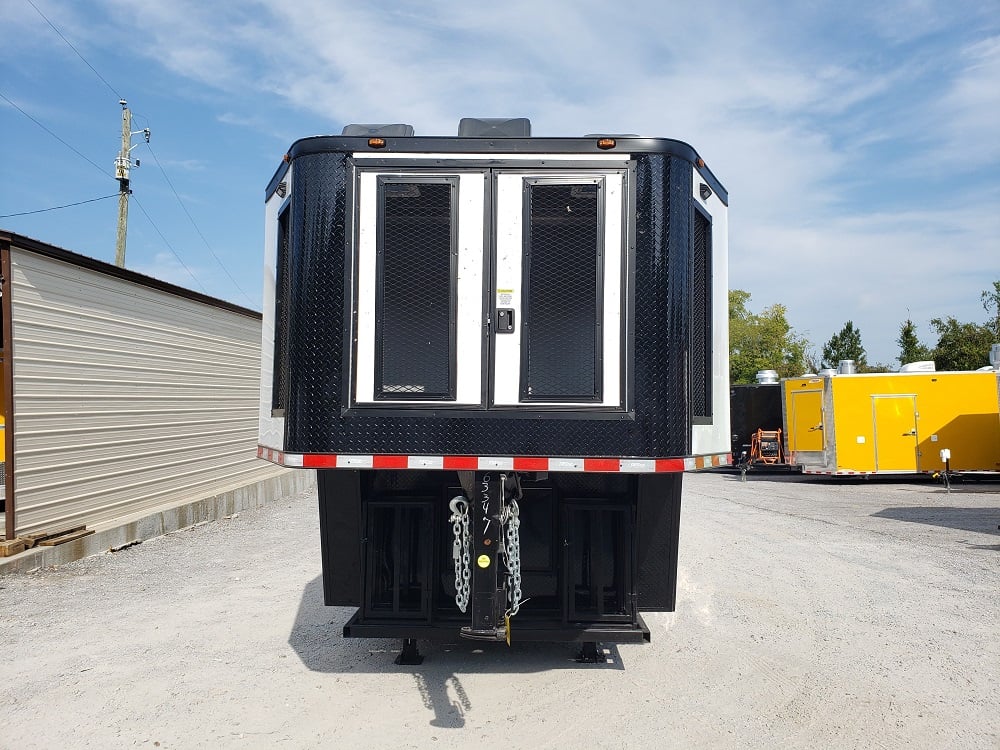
122, 165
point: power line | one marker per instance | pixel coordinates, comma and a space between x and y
195, 225
56, 208
169, 246
162, 171
112, 88
11, 103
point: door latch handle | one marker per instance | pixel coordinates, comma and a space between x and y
505, 320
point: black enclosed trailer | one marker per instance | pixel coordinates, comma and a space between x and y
500, 353
755, 418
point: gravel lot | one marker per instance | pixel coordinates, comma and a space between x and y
811, 613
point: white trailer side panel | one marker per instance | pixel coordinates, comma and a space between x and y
715, 437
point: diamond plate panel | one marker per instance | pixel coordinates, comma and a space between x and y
314, 419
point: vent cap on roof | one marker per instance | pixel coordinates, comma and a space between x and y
391, 131
924, 365
494, 127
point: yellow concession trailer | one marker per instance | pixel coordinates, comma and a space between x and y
893, 423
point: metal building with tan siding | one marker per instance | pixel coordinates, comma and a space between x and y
123, 395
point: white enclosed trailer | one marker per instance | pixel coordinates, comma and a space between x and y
500, 353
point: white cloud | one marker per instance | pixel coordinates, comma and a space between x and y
165, 266
845, 134
969, 112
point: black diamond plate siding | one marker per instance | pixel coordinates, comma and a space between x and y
314, 420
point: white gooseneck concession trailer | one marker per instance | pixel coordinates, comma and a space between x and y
500, 353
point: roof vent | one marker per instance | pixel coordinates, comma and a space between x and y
494, 127
767, 377
924, 365
390, 131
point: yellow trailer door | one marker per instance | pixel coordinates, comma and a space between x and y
895, 429
805, 431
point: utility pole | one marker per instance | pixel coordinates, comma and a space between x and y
122, 165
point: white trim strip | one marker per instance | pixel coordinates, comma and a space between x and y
566, 464
425, 462
492, 462
355, 462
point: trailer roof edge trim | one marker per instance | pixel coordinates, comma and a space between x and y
20, 242
495, 147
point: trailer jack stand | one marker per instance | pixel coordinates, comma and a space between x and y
591, 653
409, 656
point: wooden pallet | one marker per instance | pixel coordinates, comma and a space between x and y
11, 547
67, 537
52, 538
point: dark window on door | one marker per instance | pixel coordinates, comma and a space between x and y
562, 281
416, 289
279, 372
701, 318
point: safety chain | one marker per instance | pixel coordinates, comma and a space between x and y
512, 551
511, 521
460, 550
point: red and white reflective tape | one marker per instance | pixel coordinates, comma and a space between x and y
838, 473
498, 463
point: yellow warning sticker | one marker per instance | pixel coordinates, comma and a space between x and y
483, 561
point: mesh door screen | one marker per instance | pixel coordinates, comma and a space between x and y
701, 317
415, 328
563, 274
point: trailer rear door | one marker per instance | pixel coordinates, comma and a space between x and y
894, 419
499, 288
805, 432
558, 284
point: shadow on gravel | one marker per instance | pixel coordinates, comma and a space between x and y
317, 638
982, 520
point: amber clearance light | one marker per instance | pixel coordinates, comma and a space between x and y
376, 142
606, 143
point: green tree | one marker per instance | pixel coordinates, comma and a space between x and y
991, 303
761, 341
910, 348
961, 346
845, 344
